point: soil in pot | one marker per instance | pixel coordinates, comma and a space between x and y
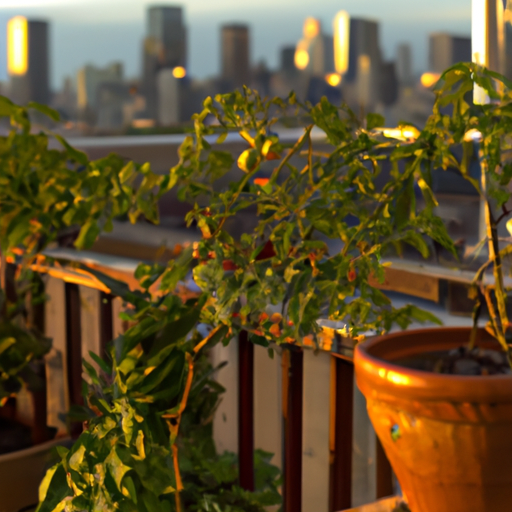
460, 361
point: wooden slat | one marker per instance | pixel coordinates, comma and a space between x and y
246, 412
118, 325
315, 431
56, 360
414, 284
268, 419
384, 473
74, 348
106, 321
364, 471
40, 432
225, 422
89, 324
342, 434
293, 372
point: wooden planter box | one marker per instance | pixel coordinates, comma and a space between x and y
21, 473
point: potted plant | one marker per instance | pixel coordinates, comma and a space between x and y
127, 455
444, 425
44, 193
325, 213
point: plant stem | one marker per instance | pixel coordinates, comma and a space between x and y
500, 327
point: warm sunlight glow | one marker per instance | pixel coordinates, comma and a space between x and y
364, 63
17, 46
472, 135
301, 59
398, 378
479, 42
333, 79
405, 133
179, 72
394, 377
311, 28
341, 41
428, 80
479, 31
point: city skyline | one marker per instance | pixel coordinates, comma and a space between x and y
75, 43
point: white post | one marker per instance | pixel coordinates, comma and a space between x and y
488, 49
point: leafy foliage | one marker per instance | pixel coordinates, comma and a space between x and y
127, 457
457, 122
327, 213
324, 220
44, 191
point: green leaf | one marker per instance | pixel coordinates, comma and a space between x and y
7, 107
53, 490
6, 343
75, 154
88, 235
116, 468
76, 460
374, 121
47, 111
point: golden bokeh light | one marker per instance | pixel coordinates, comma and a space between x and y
429, 79
333, 79
341, 41
179, 72
311, 28
17, 45
301, 58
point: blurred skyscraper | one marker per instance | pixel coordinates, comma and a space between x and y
363, 41
28, 60
90, 77
288, 60
363, 77
404, 64
445, 50
235, 60
99, 90
165, 47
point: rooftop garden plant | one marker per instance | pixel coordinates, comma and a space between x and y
461, 404
45, 192
326, 213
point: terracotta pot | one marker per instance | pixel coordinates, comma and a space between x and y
448, 437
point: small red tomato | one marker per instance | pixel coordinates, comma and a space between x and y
228, 265
267, 251
275, 330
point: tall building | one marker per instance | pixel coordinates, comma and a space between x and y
165, 47
169, 97
28, 60
88, 80
235, 48
363, 41
404, 72
96, 90
288, 60
445, 50
364, 69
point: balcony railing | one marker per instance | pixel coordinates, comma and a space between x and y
302, 405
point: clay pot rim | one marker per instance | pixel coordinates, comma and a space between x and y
375, 374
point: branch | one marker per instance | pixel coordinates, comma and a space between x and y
503, 215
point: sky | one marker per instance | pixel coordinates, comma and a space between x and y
102, 31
